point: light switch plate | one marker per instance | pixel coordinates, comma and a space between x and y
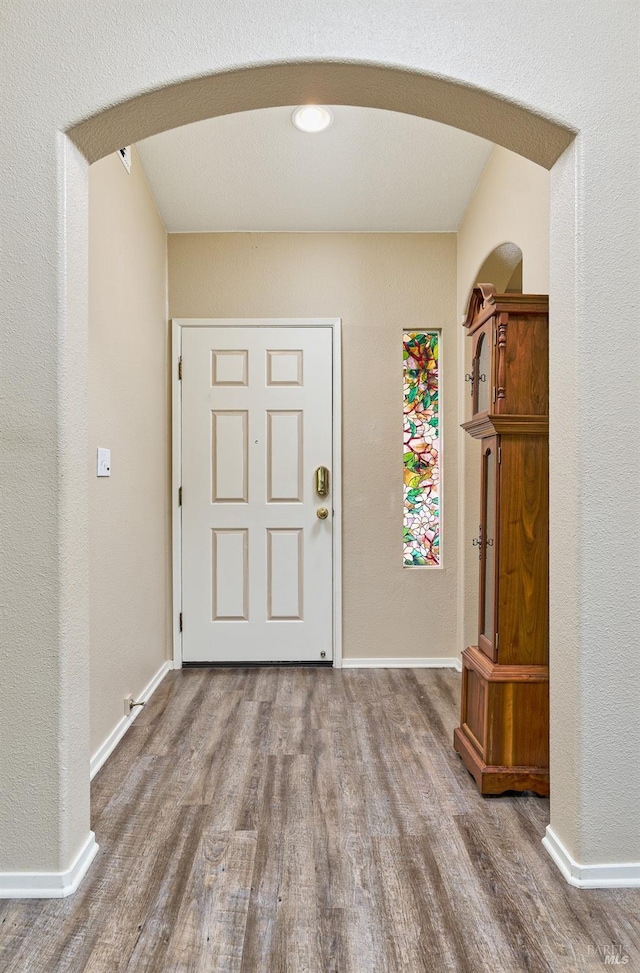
103, 467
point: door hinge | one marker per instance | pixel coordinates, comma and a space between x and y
180, 368
495, 644
180, 621
499, 460
495, 336
179, 496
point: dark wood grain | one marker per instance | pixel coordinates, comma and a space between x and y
523, 580
287, 820
517, 327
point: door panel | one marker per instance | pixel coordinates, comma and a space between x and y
284, 457
229, 456
229, 566
285, 573
256, 560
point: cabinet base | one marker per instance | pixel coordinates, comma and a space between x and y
503, 737
495, 779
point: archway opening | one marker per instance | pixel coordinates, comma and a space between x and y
504, 266
359, 84
104, 129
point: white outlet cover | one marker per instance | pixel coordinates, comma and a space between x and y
103, 464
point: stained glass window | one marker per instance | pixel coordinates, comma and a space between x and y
421, 533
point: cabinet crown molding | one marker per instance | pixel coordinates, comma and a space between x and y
485, 301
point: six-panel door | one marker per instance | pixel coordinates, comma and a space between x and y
256, 557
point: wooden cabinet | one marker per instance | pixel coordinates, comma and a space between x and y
503, 737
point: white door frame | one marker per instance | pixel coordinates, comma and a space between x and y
177, 325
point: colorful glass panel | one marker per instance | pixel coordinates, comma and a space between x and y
421, 533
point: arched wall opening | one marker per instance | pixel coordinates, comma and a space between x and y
503, 268
359, 85
362, 85
365, 85
450, 101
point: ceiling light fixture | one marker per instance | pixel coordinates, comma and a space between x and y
312, 118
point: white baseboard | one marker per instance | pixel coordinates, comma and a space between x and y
625, 875
49, 885
407, 663
116, 735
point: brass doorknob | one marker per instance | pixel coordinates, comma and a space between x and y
322, 513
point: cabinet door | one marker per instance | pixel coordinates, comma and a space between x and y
488, 547
483, 368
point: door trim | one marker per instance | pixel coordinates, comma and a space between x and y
177, 324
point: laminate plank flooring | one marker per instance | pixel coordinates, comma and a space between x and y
283, 820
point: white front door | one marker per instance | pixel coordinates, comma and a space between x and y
256, 557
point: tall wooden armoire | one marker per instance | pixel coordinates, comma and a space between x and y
503, 737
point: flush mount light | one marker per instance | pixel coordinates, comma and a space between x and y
312, 118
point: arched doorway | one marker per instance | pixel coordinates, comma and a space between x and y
104, 130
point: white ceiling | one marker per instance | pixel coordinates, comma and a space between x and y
372, 170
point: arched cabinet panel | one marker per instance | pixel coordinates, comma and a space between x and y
482, 383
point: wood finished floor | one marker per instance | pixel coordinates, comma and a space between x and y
318, 820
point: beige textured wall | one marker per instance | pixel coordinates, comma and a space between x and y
378, 284
510, 205
128, 413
